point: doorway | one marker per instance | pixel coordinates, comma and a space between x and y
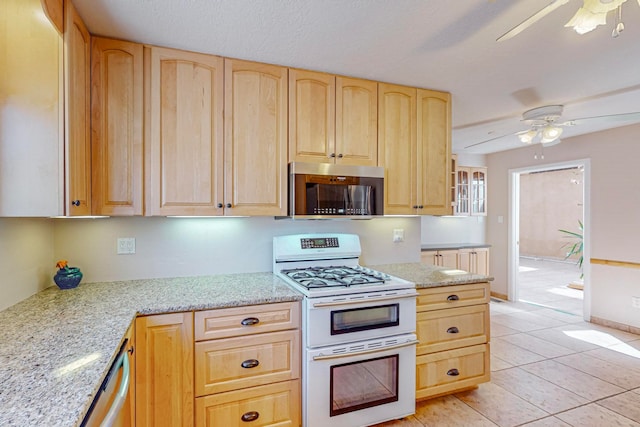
538, 272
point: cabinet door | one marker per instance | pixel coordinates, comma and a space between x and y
31, 102
482, 261
397, 147
311, 116
434, 152
185, 145
449, 259
255, 139
463, 198
429, 257
478, 191
164, 371
356, 122
117, 114
77, 54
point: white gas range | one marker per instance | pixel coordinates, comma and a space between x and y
358, 332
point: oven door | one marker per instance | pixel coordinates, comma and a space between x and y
340, 319
360, 384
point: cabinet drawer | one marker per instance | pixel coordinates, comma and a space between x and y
240, 362
273, 405
452, 296
229, 322
440, 330
452, 370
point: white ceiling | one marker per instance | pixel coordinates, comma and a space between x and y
439, 44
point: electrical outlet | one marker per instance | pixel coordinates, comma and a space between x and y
398, 235
126, 245
635, 302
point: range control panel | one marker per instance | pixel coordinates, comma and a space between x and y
319, 243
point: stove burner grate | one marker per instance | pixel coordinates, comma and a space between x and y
319, 277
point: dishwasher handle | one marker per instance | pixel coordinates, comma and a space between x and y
121, 395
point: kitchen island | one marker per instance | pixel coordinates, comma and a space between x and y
57, 346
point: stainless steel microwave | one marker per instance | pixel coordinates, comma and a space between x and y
324, 190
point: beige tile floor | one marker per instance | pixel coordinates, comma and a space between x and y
549, 368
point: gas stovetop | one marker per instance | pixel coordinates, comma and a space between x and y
334, 275
323, 265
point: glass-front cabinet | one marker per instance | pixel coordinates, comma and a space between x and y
471, 191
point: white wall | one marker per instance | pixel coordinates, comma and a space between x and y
26, 258
174, 247
614, 224
461, 229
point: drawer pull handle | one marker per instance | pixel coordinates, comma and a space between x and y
250, 363
452, 330
453, 372
453, 298
249, 321
250, 416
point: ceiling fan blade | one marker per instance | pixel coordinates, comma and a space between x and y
492, 139
532, 19
603, 119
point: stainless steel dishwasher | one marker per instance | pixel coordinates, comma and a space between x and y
112, 405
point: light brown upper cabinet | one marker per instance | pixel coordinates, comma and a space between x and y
415, 149
255, 179
117, 120
471, 191
332, 119
31, 104
434, 152
397, 148
77, 54
184, 132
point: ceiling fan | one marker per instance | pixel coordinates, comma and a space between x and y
587, 18
545, 128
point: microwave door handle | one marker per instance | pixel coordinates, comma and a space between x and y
358, 353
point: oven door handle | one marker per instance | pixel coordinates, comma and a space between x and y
345, 302
358, 353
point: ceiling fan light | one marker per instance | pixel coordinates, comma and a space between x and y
584, 20
550, 133
527, 137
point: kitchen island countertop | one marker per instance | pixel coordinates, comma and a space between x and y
57, 345
430, 276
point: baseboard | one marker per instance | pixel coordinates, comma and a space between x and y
615, 325
499, 295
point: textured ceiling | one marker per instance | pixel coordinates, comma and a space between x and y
439, 44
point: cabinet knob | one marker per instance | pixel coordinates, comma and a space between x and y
250, 363
250, 321
228, 205
415, 206
220, 205
340, 155
453, 372
453, 297
250, 416
332, 155
452, 330
75, 202
420, 206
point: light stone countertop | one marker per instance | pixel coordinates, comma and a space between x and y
57, 346
430, 276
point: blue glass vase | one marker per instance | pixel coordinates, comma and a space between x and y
68, 278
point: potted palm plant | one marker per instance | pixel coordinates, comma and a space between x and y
575, 248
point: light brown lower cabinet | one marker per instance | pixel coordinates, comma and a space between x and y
164, 371
453, 330
237, 366
275, 404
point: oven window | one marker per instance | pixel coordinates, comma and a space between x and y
362, 319
364, 384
